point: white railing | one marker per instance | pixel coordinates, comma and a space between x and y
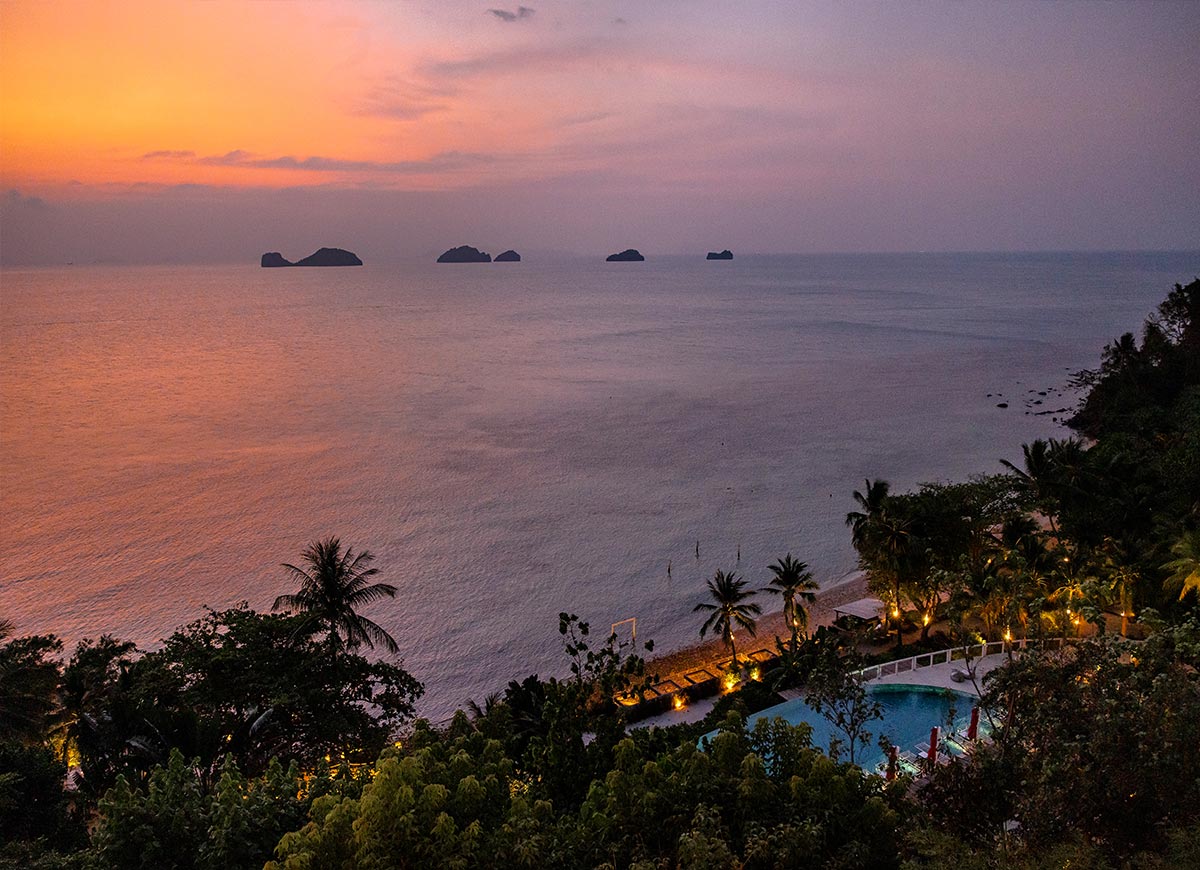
954, 654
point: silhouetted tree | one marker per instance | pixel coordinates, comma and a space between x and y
795, 583
333, 585
730, 608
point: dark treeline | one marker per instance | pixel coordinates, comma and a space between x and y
282, 738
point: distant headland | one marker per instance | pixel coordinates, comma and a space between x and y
322, 257
629, 255
508, 257
464, 254
723, 255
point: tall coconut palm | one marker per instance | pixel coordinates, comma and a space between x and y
1185, 567
1051, 469
333, 585
871, 501
795, 583
730, 608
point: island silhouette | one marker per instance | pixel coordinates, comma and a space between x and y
464, 254
629, 255
321, 257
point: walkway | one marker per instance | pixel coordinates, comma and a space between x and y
941, 675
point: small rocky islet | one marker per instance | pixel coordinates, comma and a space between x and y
460, 254
629, 255
464, 254
320, 257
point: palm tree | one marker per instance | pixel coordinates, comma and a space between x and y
883, 544
795, 583
872, 501
28, 683
1185, 567
1119, 578
730, 594
333, 584
1052, 469
1038, 477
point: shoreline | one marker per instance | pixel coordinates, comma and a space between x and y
849, 587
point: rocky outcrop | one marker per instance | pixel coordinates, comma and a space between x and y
508, 257
464, 254
722, 255
629, 255
331, 257
321, 257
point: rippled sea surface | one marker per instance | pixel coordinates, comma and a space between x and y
510, 440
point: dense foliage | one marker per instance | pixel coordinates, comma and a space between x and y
1098, 747
762, 798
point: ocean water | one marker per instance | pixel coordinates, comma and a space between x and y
513, 440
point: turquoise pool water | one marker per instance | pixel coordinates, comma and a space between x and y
908, 714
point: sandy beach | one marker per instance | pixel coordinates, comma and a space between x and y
706, 653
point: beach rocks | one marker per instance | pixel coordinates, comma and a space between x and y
629, 255
464, 254
720, 255
508, 257
321, 257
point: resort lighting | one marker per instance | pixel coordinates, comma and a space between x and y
755, 674
729, 682
1007, 636
678, 702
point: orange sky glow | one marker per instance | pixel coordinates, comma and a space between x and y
786, 125
225, 93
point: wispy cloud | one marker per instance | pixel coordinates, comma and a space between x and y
583, 118
546, 59
15, 199
405, 100
506, 16
446, 161
171, 155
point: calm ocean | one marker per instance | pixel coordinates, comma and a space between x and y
509, 440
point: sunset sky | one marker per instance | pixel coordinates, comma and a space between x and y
156, 131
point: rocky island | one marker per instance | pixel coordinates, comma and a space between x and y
723, 255
322, 257
629, 255
464, 254
508, 257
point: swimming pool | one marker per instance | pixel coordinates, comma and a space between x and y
908, 714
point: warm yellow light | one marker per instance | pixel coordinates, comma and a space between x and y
895, 613
729, 682
1007, 635
755, 674
678, 703
925, 619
